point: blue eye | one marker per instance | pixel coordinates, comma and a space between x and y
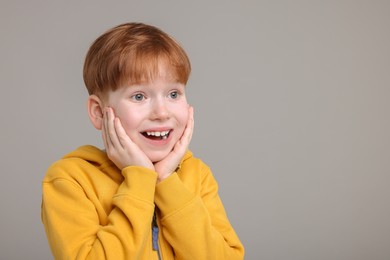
138, 97
174, 95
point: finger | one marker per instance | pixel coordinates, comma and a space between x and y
130, 148
123, 138
111, 129
106, 138
104, 133
187, 135
182, 145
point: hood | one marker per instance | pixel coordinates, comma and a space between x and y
89, 153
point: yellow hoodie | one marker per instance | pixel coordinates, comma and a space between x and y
91, 210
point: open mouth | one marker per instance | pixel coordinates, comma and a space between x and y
157, 135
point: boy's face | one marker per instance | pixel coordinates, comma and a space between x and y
154, 115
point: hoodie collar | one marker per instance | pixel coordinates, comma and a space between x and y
99, 157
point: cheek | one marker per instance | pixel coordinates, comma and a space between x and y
128, 125
129, 119
182, 116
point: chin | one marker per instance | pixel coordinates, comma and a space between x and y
157, 156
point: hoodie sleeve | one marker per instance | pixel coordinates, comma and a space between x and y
74, 229
195, 223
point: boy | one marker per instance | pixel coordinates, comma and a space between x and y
145, 196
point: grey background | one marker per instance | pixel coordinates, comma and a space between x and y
292, 114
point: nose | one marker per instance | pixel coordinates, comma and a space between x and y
159, 110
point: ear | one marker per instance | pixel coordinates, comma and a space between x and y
95, 111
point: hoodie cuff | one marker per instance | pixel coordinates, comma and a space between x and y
139, 182
171, 195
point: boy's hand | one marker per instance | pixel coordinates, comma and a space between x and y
168, 165
119, 147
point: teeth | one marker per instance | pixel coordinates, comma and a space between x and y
163, 133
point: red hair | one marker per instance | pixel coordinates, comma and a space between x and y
131, 54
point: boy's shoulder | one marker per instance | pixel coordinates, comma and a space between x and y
189, 158
190, 163
84, 160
